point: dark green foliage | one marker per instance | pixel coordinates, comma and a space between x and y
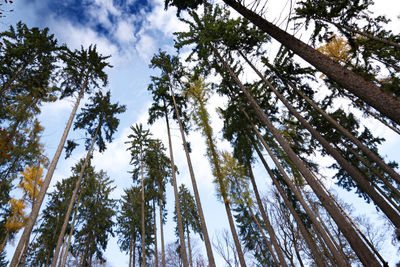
99, 111
251, 236
190, 216
172, 72
83, 67
129, 221
42, 249
95, 218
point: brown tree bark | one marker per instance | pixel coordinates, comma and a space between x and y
73, 199
386, 103
356, 243
42, 193
177, 205
203, 224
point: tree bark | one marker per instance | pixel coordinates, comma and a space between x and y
73, 199
42, 193
350, 136
71, 232
142, 212
155, 235
357, 176
386, 103
130, 251
203, 224
365, 255
189, 248
162, 234
177, 205
303, 230
267, 222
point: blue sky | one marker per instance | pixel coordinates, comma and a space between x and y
131, 32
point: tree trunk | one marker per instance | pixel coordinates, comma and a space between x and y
189, 248
177, 205
270, 229
362, 182
162, 234
354, 224
365, 255
4, 242
35, 209
303, 230
155, 234
73, 199
71, 232
350, 136
386, 103
214, 159
130, 251
355, 30
203, 224
142, 213
134, 253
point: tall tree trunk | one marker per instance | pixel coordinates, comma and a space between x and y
343, 130
62, 251
130, 251
365, 34
350, 136
316, 212
4, 242
73, 199
357, 176
267, 222
189, 247
155, 235
354, 172
134, 253
177, 205
214, 160
355, 225
203, 224
386, 103
362, 251
64, 261
303, 230
142, 213
162, 234
35, 209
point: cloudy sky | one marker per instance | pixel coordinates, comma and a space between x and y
131, 31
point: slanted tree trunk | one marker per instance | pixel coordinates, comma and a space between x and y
354, 172
189, 247
356, 243
162, 234
386, 103
357, 31
73, 198
303, 230
214, 159
270, 229
350, 136
177, 205
203, 224
64, 261
42, 193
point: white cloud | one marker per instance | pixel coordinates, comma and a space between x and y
124, 32
146, 47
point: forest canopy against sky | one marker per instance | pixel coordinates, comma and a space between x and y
250, 133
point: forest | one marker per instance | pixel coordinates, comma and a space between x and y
304, 107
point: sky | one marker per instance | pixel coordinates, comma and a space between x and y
132, 31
